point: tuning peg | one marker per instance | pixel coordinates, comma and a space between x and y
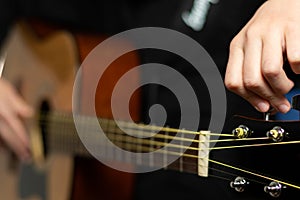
239, 184
296, 102
274, 189
276, 134
242, 131
268, 113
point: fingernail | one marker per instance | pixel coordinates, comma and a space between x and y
283, 108
262, 107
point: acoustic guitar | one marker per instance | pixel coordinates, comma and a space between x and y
41, 60
252, 157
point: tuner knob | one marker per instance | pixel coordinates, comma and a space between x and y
241, 131
239, 184
276, 134
274, 189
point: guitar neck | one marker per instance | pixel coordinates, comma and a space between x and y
187, 151
60, 135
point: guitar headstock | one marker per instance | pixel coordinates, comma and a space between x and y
270, 155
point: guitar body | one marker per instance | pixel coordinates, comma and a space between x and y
37, 71
43, 70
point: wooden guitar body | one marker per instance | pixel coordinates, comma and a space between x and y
43, 69
39, 73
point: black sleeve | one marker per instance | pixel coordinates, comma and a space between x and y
8, 13
103, 16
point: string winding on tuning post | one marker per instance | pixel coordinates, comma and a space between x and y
277, 134
242, 131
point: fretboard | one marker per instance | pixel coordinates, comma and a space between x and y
61, 136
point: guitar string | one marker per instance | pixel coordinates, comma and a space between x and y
193, 156
146, 148
120, 140
142, 133
255, 145
219, 163
150, 128
230, 165
234, 175
145, 127
255, 174
197, 165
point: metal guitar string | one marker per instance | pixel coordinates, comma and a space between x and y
149, 145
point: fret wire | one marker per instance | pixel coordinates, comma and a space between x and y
151, 150
181, 151
194, 164
82, 149
145, 127
106, 125
114, 137
56, 143
58, 125
156, 143
119, 136
142, 148
175, 153
128, 141
146, 148
139, 150
110, 131
66, 130
68, 139
159, 135
132, 130
165, 156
